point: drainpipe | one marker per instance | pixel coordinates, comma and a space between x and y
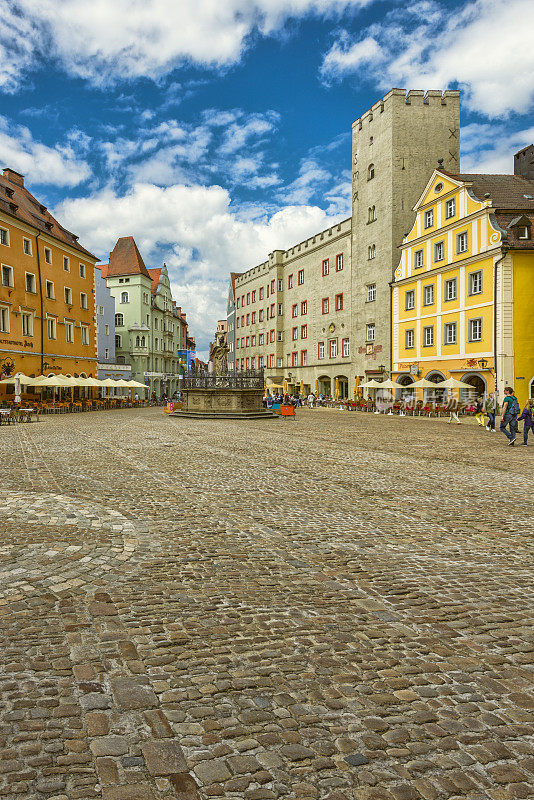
41, 297
499, 260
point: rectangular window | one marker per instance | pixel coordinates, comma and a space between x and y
280, 284
4, 319
450, 208
475, 282
248, 298
254, 296
290, 281
303, 331
475, 329
83, 300
107, 330
295, 334
339, 262
304, 307
4, 237
253, 317
68, 296
325, 305
450, 289
247, 363
48, 255
346, 348
409, 300
261, 293
238, 299
51, 328
66, 263
237, 322
295, 310
27, 247
429, 218
428, 295
260, 362
30, 283
85, 334
371, 292
27, 324
50, 291
82, 270
106, 353
271, 335
450, 333
303, 358
370, 332
439, 251
260, 315
419, 259
332, 348
462, 242
300, 277
339, 302
253, 341
326, 266
428, 336
69, 332
248, 319
280, 309
279, 336
272, 286
272, 310
320, 350
247, 341
7, 276
409, 339
253, 362
294, 359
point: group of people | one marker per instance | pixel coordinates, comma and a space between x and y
511, 415
285, 399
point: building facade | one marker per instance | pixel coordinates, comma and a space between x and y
230, 322
463, 293
323, 320
105, 320
47, 307
150, 330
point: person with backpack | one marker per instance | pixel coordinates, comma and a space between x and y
528, 417
479, 411
510, 412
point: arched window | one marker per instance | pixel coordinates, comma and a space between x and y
118, 340
124, 297
119, 320
372, 251
142, 341
372, 214
370, 172
137, 341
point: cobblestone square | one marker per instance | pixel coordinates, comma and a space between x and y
333, 608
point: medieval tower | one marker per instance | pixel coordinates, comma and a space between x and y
395, 147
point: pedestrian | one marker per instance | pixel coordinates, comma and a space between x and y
311, 399
528, 417
510, 412
479, 411
453, 411
491, 408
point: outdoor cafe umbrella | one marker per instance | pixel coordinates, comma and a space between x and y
454, 383
25, 380
372, 384
389, 384
424, 384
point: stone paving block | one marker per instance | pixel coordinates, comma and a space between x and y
164, 757
130, 694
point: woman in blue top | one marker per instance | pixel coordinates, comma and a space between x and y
510, 412
528, 416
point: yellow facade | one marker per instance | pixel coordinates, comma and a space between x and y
442, 308
523, 283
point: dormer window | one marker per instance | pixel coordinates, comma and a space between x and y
9, 191
523, 232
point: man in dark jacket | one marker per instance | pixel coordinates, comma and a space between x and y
528, 417
510, 412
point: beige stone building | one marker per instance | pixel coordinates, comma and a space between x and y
318, 314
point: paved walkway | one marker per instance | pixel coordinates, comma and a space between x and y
334, 608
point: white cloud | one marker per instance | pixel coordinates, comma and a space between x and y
490, 148
195, 230
486, 48
60, 165
105, 41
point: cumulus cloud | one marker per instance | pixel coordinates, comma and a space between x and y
485, 47
105, 41
61, 165
490, 148
196, 231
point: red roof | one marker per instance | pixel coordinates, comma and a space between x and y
125, 259
103, 269
154, 277
18, 202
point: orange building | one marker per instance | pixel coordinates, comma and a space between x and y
47, 308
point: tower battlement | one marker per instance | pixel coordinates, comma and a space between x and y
407, 97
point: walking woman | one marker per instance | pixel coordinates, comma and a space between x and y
528, 417
479, 411
491, 408
510, 412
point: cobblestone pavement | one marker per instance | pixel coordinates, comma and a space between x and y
331, 608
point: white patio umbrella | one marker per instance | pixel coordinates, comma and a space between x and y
454, 383
389, 384
24, 380
372, 384
424, 384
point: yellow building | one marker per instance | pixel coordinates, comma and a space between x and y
47, 305
463, 293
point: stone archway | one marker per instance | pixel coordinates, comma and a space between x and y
477, 382
404, 391
343, 386
325, 385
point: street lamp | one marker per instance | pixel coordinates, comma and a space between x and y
482, 363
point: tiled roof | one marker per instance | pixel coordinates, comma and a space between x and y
18, 202
505, 191
103, 269
510, 224
154, 277
125, 259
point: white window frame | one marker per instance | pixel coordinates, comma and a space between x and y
83, 272
66, 264
475, 321
332, 348
47, 255
447, 296
123, 295
409, 339
11, 279
85, 334
370, 332
52, 295
429, 288
5, 322
67, 293
83, 300
419, 259
371, 252
429, 218
462, 242
450, 208
371, 292
320, 350
472, 276
28, 242
33, 283
448, 329
280, 309
69, 331
346, 348
4, 234
51, 328
428, 336
439, 251
409, 300
26, 315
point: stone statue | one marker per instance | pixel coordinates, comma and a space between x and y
219, 358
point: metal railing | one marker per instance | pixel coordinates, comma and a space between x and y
244, 379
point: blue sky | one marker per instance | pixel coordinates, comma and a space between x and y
214, 132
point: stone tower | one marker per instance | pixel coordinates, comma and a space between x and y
395, 147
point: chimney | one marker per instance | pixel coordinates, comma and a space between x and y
524, 163
13, 177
